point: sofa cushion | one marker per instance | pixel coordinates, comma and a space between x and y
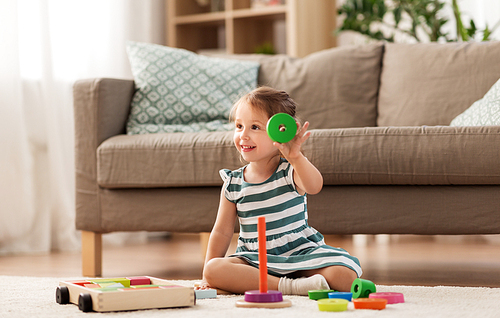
406, 155
484, 112
431, 83
335, 88
165, 160
180, 91
354, 156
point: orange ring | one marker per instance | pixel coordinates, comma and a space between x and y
369, 303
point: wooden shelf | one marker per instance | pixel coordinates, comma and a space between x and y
308, 25
201, 18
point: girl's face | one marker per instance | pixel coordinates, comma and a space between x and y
250, 136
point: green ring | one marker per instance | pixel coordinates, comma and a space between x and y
281, 120
319, 294
361, 288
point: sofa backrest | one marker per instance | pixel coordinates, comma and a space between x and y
430, 84
334, 88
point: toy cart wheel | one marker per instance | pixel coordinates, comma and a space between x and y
85, 302
62, 295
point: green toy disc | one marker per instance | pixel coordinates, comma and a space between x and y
319, 294
281, 128
361, 288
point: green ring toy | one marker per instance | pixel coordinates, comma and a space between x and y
332, 304
281, 128
361, 288
319, 293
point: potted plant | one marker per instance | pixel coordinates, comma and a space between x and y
421, 20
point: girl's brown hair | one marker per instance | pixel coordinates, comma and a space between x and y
268, 100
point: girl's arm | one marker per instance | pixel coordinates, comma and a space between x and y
307, 177
223, 229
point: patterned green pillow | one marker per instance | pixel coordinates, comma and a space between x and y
484, 112
180, 91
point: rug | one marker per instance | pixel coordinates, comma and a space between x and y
35, 297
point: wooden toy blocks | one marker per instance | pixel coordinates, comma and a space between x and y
162, 295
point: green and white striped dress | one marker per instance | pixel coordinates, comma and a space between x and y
292, 244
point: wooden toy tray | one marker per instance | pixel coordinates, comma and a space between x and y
103, 295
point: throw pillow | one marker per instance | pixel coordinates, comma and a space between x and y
484, 112
180, 91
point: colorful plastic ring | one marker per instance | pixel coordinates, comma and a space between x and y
340, 295
255, 296
332, 304
369, 303
319, 294
392, 298
361, 288
281, 128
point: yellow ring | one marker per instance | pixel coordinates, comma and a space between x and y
332, 304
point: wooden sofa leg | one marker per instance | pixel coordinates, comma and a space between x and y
91, 254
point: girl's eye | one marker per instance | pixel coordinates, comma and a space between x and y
238, 126
255, 127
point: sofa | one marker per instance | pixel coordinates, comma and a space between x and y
379, 116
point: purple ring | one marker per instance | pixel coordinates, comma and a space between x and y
255, 296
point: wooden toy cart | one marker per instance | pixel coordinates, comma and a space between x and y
119, 294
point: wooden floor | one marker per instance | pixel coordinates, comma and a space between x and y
408, 260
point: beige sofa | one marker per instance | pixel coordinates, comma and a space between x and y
379, 116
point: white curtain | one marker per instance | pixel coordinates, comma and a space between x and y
45, 45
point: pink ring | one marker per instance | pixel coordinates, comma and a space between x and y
392, 298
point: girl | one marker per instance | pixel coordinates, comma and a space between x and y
273, 184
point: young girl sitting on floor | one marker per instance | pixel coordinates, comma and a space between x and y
274, 184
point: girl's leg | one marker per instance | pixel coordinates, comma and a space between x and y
338, 277
235, 275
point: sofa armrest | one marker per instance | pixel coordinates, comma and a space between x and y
101, 108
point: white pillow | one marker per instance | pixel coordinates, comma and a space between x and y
484, 112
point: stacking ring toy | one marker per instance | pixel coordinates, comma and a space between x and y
340, 295
361, 288
319, 294
332, 304
281, 128
392, 298
369, 303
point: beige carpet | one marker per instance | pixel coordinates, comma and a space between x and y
35, 297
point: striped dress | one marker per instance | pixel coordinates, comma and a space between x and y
292, 244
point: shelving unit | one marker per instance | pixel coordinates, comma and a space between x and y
309, 26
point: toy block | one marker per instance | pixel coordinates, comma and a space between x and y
79, 282
140, 280
139, 288
205, 293
143, 286
91, 286
112, 285
125, 282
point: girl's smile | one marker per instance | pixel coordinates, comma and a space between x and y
250, 136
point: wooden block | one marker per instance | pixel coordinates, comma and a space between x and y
111, 285
91, 286
144, 286
124, 281
79, 282
281, 304
140, 280
138, 288
205, 293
